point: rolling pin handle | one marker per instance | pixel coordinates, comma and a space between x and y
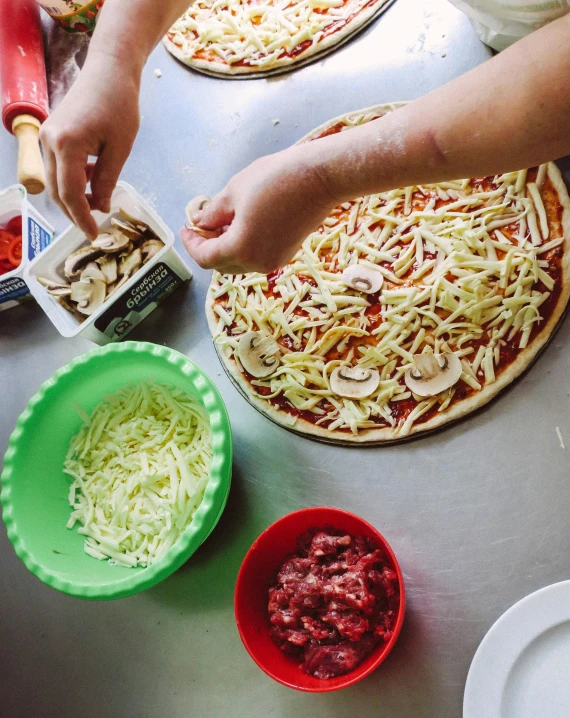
31, 171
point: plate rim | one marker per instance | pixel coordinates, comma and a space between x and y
494, 668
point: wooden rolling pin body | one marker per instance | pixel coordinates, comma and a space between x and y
24, 85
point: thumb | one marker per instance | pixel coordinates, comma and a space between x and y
215, 214
105, 175
208, 253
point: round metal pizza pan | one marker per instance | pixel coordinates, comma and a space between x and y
403, 439
294, 65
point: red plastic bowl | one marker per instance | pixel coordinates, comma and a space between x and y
251, 596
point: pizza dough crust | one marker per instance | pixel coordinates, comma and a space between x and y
285, 64
458, 409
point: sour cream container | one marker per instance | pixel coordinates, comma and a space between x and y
37, 234
130, 304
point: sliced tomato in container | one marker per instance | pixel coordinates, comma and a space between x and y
15, 225
11, 245
14, 255
5, 237
5, 242
5, 266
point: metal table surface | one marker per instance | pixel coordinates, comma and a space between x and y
477, 514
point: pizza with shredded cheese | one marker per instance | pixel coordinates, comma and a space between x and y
404, 310
245, 38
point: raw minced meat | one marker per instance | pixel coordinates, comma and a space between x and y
333, 602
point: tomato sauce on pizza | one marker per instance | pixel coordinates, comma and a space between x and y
237, 37
474, 268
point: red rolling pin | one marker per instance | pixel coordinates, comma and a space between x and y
24, 86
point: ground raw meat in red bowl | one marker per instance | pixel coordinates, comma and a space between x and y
333, 602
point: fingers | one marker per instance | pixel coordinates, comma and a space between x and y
67, 178
208, 253
217, 213
89, 170
105, 175
89, 174
224, 253
217, 253
51, 175
71, 183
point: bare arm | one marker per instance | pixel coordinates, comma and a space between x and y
511, 112
130, 31
99, 116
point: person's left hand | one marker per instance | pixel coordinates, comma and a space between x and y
264, 213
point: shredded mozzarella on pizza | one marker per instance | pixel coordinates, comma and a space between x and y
466, 270
258, 34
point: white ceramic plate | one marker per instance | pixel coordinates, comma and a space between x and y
522, 667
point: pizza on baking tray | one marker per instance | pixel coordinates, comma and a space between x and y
404, 310
239, 37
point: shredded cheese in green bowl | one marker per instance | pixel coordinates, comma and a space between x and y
117, 471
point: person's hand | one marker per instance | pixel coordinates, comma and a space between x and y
264, 213
99, 117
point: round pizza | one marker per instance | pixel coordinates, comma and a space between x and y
404, 310
240, 38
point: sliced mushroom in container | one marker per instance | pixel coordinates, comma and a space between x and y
66, 303
354, 382
58, 289
117, 285
150, 248
130, 263
126, 228
258, 354
93, 271
433, 373
108, 266
111, 241
195, 205
105, 265
81, 290
363, 278
78, 259
137, 223
89, 294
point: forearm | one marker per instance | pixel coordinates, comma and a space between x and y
128, 30
99, 117
509, 113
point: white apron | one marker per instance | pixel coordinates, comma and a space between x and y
499, 23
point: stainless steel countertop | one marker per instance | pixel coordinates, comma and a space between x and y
477, 514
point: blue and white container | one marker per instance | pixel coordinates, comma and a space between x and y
134, 301
37, 234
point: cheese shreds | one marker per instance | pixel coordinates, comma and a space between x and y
263, 35
539, 206
467, 266
140, 465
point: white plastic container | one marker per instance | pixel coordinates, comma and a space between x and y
37, 233
500, 23
127, 307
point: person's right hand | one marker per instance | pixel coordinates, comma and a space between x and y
263, 214
99, 117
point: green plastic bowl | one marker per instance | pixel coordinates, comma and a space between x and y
35, 489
